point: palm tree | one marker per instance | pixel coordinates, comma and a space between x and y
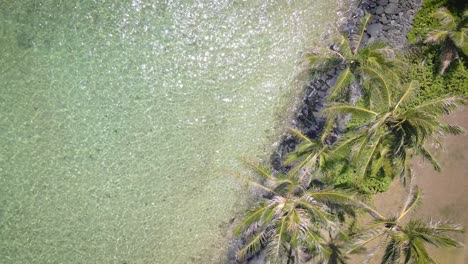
310, 155
452, 36
290, 225
405, 243
349, 52
394, 129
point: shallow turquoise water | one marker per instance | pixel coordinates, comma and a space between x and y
118, 120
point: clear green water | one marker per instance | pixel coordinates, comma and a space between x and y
119, 118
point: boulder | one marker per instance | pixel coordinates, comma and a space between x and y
374, 29
379, 10
365, 38
391, 8
384, 20
382, 2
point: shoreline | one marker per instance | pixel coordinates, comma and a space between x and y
391, 21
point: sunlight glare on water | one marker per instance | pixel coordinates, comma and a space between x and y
118, 120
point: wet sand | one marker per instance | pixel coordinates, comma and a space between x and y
444, 193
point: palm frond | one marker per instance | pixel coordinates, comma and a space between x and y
435, 233
376, 76
377, 165
406, 174
445, 18
436, 37
371, 155
373, 252
260, 170
464, 47
330, 124
253, 245
314, 242
421, 123
460, 39
446, 129
343, 45
417, 252
275, 244
346, 141
317, 214
303, 149
427, 155
254, 183
305, 159
364, 239
374, 213
441, 106
356, 39
322, 62
356, 111
307, 148
332, 196
254, 215
411, 202
343, 81
387, 52
300, 135
408, 93
393, 252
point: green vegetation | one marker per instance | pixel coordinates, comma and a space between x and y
310, 212
405, 243
452, 36
424, 61
289, 224
424, 22
349, 52
394, 131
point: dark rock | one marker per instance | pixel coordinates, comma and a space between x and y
322, 94
365, 38
383, 38
374, 29
382, 2
331, 82
379, 10
391, 8
384, 19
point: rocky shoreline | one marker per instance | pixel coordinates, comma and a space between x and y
391, 20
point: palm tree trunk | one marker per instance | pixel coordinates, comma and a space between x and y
447, 55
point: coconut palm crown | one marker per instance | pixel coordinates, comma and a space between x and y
289, 225
394, 129
350, 53
453, 36
405, 241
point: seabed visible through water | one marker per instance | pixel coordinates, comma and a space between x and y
118, 120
